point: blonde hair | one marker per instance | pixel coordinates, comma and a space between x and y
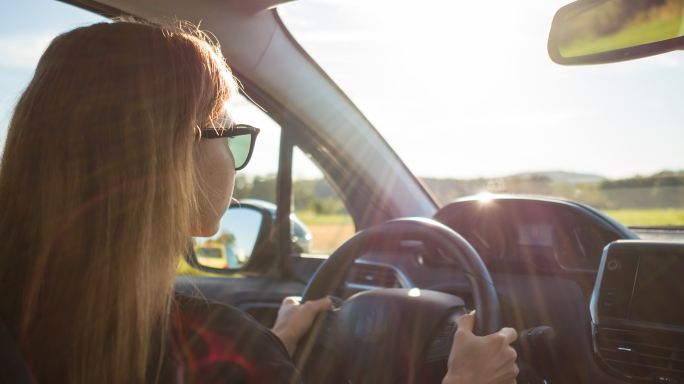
98, 196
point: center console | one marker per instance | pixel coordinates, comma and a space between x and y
637, 311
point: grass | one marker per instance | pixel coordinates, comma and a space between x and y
649, 217
312, 218
633, 35
328, 231
184, 269
327, 237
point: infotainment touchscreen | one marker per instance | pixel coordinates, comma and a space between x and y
659, 290
637, 311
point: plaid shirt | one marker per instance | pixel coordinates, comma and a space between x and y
214, 343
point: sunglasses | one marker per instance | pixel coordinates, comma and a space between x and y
239, 138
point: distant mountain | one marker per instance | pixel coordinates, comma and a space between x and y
560, 176
664, 189
668, 173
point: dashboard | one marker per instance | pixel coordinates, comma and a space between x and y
533, 234
513, 235
543, 255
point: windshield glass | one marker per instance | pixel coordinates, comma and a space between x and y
466, 94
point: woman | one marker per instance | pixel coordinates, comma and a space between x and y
104, 176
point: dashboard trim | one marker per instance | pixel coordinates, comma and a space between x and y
404, 280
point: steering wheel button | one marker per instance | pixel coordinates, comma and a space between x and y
613, 265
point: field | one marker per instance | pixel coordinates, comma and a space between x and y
634, 35
648, 217
328, 231
185, 269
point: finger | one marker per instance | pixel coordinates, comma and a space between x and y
505, 358
326, 304
466, 323
510, 335
506, 374
503, 338
295, 300
320, 305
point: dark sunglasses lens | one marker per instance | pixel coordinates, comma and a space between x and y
239, 146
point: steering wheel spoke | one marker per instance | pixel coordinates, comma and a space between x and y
326, 336
440, 346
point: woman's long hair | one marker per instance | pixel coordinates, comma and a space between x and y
97, 196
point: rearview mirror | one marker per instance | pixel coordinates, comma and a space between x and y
604, 31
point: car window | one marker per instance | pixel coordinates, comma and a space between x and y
466, 94
258, 179
321, 221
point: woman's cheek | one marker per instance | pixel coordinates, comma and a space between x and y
217, 173
229, 175
229, 191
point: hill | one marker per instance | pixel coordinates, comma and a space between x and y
562, 176
663, 189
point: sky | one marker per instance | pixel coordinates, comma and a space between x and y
458, 89
26, 28
466, 89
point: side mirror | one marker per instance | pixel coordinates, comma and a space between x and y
242, 234
605, 31
301, 236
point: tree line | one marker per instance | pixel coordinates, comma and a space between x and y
660, 190
308, 195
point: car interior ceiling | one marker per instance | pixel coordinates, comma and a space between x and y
563, 272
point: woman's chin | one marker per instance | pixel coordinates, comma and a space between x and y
208, 231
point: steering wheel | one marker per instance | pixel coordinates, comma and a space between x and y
392, 335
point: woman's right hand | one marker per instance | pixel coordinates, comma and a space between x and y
481, 359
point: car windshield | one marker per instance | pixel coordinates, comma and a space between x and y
466, 94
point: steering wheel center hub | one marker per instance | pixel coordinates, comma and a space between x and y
390, 327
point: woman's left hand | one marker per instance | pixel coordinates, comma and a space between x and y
295, 319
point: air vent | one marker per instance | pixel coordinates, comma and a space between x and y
645, 354
364, 275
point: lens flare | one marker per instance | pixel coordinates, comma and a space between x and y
484, 197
